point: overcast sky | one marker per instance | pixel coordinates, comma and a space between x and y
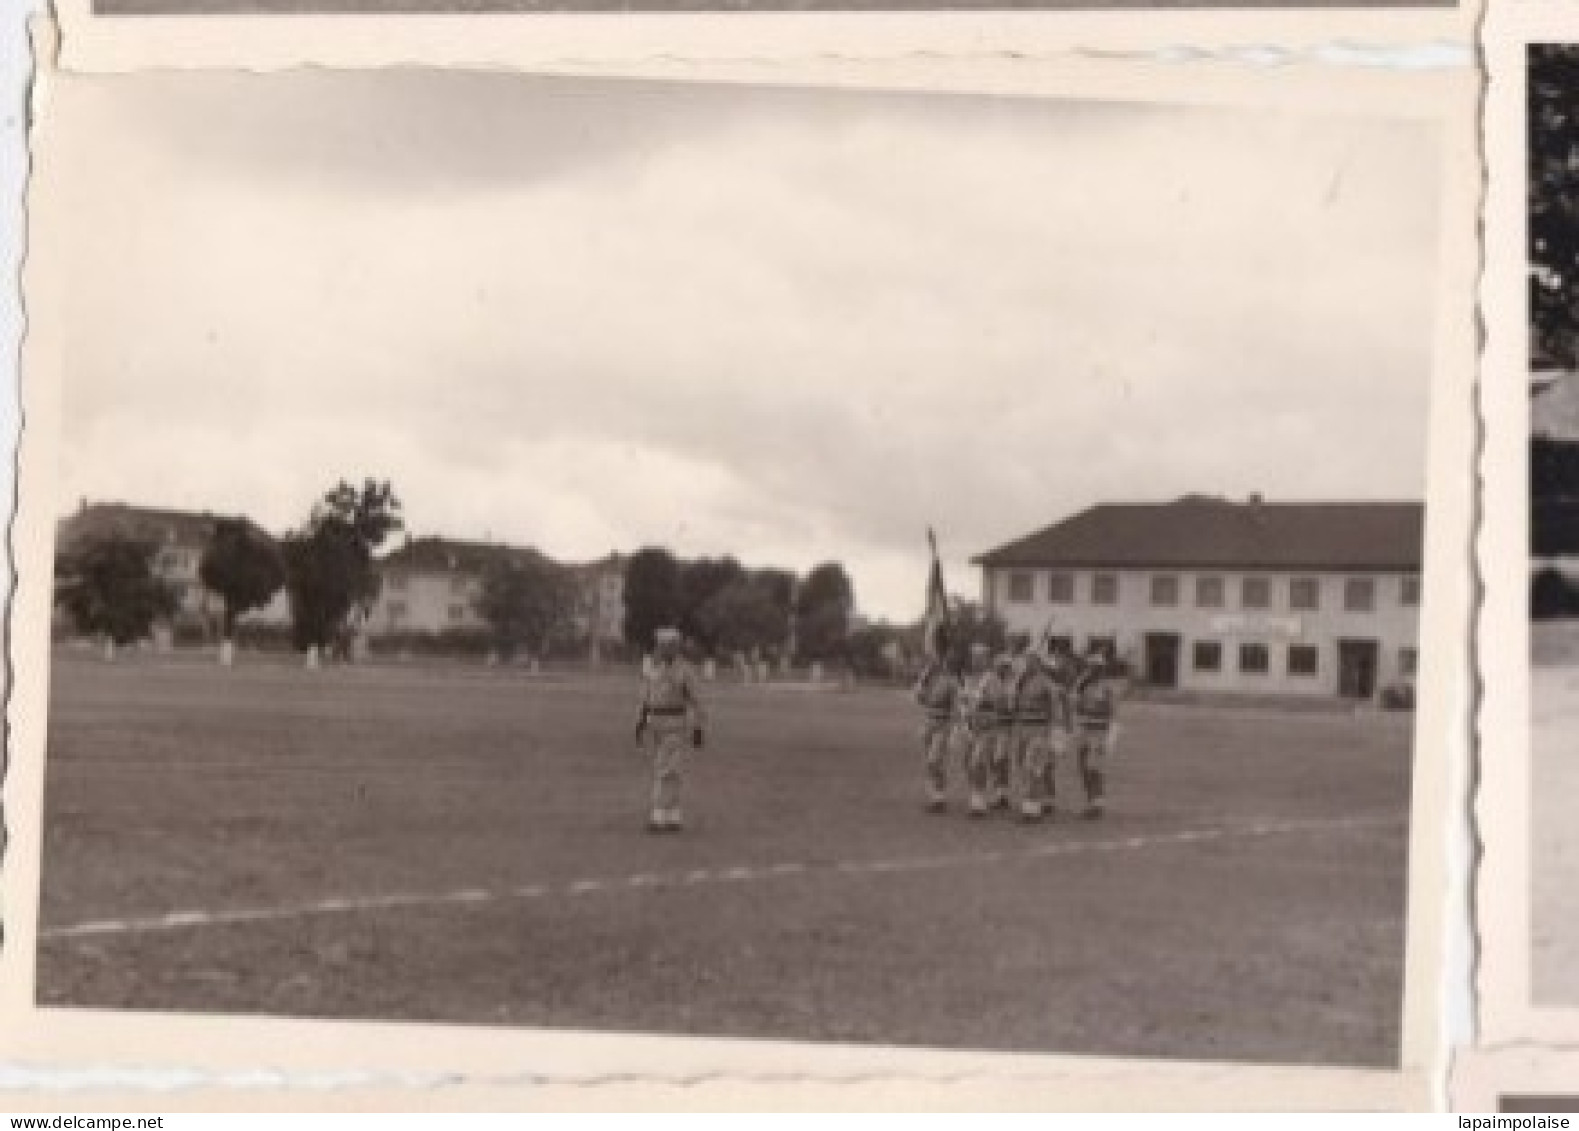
787, 326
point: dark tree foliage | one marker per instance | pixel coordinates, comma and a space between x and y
746, 616
1553, 595
324, 568
1553, 126
525, 599
1554, 469
779, 584
824, 605
108, 587
699, 582
371, 511
244, 566
1555, 531
879, 651
329, 564
652, 595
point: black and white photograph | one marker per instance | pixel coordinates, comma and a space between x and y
931, 571
1553, 78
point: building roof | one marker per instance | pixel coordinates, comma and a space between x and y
159, 525
1204, 532
452, 555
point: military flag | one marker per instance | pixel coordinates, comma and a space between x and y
936, 623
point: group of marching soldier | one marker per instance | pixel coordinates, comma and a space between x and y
1016, 716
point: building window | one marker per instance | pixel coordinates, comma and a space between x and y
1021, 587
1061, 588
397, 581
1254, 659
1209, 592
457, 612
1104, 589
1408, 660
1304, 593
1107, 645
1409, 590
1256, 593
1061, 645
1165, 589
1208, 656
1303, 659
397, 611
1359, 594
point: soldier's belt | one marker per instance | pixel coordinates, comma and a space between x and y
939, 716
666, 711
1038, 719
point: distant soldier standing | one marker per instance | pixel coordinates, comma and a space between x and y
938, 693
671, 714
1040, 717
978, 722
1095, 697
1006, 681
989, 715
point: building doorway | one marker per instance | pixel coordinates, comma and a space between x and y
1162, 659
1357, 668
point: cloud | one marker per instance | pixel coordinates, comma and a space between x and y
791, 326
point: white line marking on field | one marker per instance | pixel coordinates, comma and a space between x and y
178, 920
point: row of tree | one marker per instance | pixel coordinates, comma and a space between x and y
328, 568
1553, 154
108, 586
724, 608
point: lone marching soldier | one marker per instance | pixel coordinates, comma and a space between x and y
1095, 697
1040, 715
671, 714
938, 693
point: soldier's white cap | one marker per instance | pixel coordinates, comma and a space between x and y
980, 649
666, 636
1003, 660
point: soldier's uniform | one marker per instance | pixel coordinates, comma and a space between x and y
671, 717
1096, 730
990, 717
1041, 719
938, 693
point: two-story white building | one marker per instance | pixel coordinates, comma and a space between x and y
431, 585
1212, 595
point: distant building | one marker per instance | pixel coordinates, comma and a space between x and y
428, 585
600, 611
179, 539
1207, 594
432, 585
